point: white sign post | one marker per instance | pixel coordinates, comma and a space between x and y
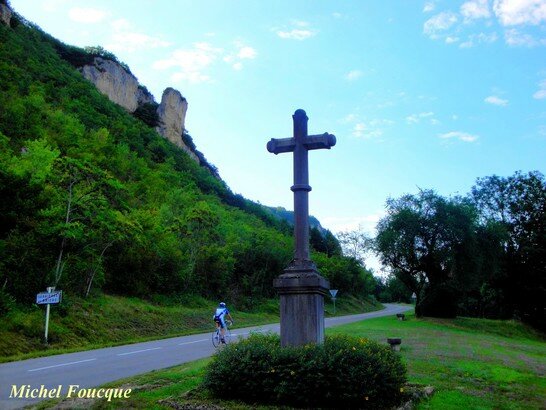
48, 298
333, 292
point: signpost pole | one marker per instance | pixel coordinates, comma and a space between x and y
49, 290
333, 293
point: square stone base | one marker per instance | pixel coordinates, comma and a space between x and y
302, 306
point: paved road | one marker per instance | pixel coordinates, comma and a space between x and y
95, 367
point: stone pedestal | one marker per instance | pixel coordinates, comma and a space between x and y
301, 291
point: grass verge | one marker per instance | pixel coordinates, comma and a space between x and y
472, 363
105, 320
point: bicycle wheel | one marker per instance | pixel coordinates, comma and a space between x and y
216, 338
227, 335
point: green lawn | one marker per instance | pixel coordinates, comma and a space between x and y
472, 363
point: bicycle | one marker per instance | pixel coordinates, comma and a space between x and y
216, 336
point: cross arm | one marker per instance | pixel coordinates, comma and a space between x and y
278, 146
322, 141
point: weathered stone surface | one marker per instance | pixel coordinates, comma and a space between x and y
5, 14
112, 80
172, 117
144, 96
302, 306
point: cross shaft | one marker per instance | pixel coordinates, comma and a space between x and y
300, 144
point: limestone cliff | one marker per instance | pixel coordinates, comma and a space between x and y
144, 96
5, 14
112, 80
122, 87
172, 116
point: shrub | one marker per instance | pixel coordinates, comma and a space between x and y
343, 372
7, 302
147, 113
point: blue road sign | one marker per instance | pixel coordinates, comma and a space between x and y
49, 298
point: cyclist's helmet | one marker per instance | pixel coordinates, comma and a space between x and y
222, 304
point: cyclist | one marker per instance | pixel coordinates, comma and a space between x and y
220, 319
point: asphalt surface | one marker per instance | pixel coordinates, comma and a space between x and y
93, 368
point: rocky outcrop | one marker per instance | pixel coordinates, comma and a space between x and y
123, 88
172, 116
144, 96
5, 14
112, 80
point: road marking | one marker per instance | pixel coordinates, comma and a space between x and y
59, 365
195, 341
139, 351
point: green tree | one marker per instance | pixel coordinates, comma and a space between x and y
356, 243
516, 206
394, 290
424, 240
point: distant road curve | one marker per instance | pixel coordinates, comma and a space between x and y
95, 367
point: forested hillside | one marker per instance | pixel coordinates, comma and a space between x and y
92, 199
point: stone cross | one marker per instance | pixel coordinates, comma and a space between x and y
301, 287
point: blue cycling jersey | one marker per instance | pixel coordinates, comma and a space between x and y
220, 313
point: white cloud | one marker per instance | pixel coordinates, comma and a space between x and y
194, 64
479, 38
191, 76
124, 38
353, 75
368, 129
247, 52
296, 34
438, 23
120, 25
429, 6
53, 5
244, 52
87, 15
416, 118
349, 118
475, 9
516, 12
449, 26
361, 130
191, 62
131, 41
461, 136
541, 93
358, 130
380, 122
513, 37
493, 99
337, 15
300, 23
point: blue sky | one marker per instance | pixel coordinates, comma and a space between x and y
420, 94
